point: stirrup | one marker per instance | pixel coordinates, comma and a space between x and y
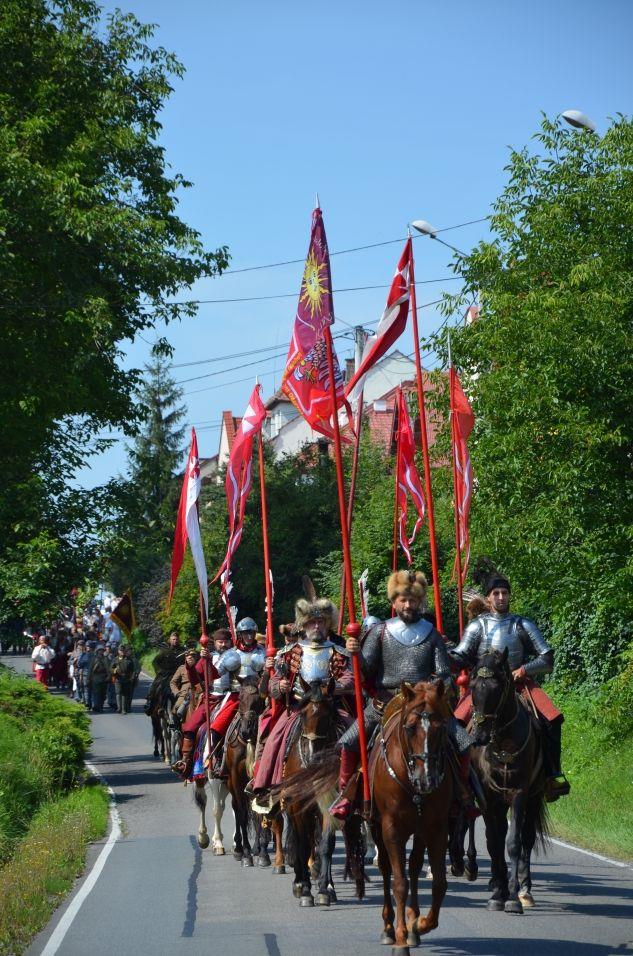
556, 787
341, 808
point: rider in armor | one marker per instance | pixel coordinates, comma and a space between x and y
405, 648
311, 656
528, 656
229, 666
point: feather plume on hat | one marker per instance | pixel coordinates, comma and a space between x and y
407, 583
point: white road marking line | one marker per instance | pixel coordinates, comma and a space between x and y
66, 921
596, 856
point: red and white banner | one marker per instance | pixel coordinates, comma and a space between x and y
188, 526
239, 477
391, 326
407, 478
463, 421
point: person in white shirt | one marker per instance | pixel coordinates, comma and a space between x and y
42, 658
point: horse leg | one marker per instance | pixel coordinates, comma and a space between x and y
471, 870
496, 828
388, 934
437, 859
277, 826
416, 859
325, 851
457, 833
238, 846
218, 798
528, 839
155, 734
395, 844
200, 798
513, 903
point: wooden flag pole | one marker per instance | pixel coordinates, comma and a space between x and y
358, 424
458, 554
353, 628
204, 642
394, 557
425, 454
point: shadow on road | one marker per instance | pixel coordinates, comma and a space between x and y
531, 946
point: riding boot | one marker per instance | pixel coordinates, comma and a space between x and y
556, 785
184, 766
342, 807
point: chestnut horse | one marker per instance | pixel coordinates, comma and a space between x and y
240, 744
509, 761
412, 793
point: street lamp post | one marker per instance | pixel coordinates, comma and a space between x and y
579, 120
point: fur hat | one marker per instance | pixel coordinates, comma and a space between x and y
310, 610
407, 583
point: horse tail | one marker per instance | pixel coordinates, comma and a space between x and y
304, 788
541, 822
290, 844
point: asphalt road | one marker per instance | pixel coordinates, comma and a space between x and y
159, 893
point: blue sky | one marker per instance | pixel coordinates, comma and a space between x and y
391, 111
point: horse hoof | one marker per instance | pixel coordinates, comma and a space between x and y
296, 890
413, 939
237, 855
387, 939
513, 906
471, 875
219, 851
323, 899
203, 840
400, 951
527, 899
247, 861
496, 906
277, 870
333, 896
457, 870
263, 860
306, 901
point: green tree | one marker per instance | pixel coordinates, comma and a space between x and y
92, 252
549, 368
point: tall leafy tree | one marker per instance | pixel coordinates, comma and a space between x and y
549, 367
92, 252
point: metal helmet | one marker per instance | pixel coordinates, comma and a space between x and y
246, 624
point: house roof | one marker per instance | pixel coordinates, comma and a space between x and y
230, 425
277, 397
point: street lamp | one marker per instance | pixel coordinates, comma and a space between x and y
426, 229
579, 120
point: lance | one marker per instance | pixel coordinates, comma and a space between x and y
270, 639
353, 628
437, 597
458, 555
358, 424
394, 557
204, 642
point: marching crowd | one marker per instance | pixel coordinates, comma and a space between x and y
89, 661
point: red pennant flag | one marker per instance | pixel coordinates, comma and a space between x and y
408, 478
306, 377
463, 423
188, 527
391, 325
239, 477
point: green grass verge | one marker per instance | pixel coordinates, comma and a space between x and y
146, 662
598, 762
46, 862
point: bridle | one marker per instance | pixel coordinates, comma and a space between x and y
434, 763
311, 737
504, 757
478, 718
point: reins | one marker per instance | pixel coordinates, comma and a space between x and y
414, 788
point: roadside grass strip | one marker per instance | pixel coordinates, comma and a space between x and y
46, 862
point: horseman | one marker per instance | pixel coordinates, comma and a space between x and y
180, 684
165, 666
311, 656
228, 667
528, 655
405, 648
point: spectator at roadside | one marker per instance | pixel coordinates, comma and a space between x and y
74, 674
124, 680
84, 664
111, 657
42, 657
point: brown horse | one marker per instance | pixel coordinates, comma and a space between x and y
311, 830
241, 739
509, 760
412, 793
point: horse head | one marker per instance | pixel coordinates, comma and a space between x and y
251, 705
318, 710
423, 726
491, 685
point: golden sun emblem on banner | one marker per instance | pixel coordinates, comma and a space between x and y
314, 285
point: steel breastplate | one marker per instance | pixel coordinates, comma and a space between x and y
251, 663
315, 662
499, 633
223, 683
409, 635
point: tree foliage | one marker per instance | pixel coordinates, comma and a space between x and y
548, 367
91, 253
